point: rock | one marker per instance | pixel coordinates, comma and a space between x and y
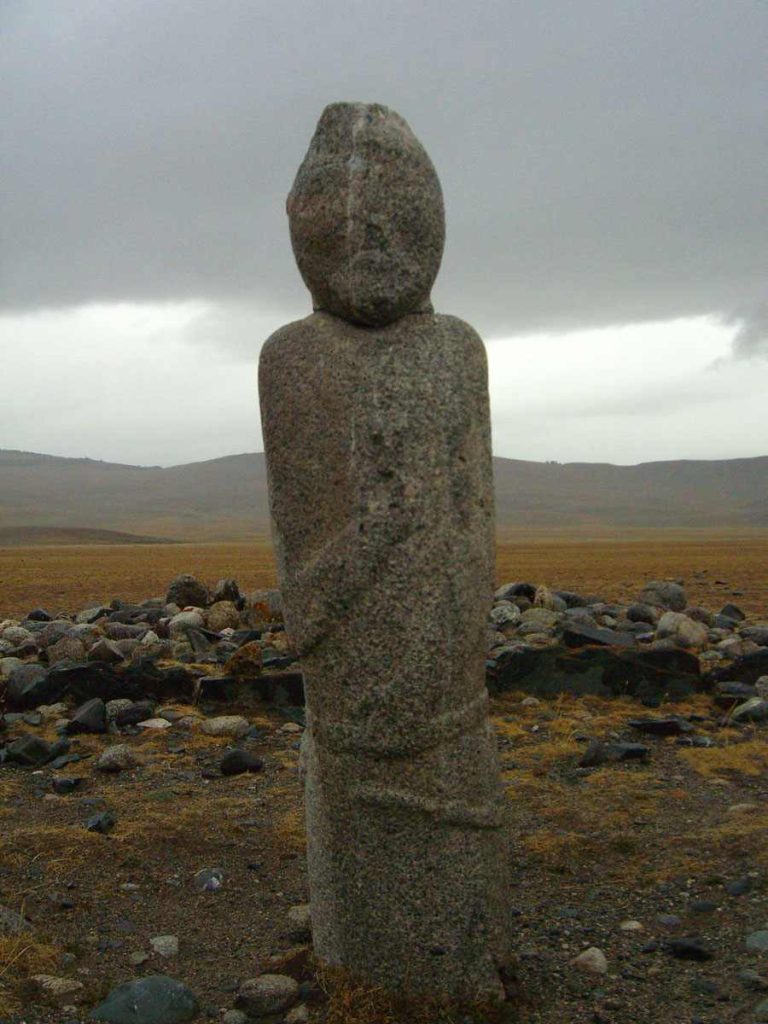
226, 725
366, 253
733, 612
184, 621
662, 594
114, 707
744, 670
505, 614
758, 941
605, 671
753, 710
86, 680
39, 615
246, 662
682, 629
102, 823
186, 591
154, 723
165, 945
728, 694
298, 1015
591, 961
669, 726
688, 948
643, 613
760, 1012
117, 758
153, 1000
62, 785
236, 762
299, 920
598, 753
223, 615
66, 649
89, 615
631, 926
753, 980
133, 713
30, 751
265, 606
234, 1017
12, 923
227, 590
209, 879
30, 685
757, 634
59, 990
89, 717
269, 993
581, 635
105, 650
738, 886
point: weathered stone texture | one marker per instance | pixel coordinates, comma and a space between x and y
366, 216
378, 452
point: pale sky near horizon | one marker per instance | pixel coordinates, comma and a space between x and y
603, 165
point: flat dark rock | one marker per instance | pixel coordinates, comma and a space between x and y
605, 671
578, 635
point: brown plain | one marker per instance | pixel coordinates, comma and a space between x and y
716, 566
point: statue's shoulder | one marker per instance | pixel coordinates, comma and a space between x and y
461, 334
289, 336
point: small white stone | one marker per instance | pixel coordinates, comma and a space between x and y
226, 725
592, 961
154, 723
165, 945
631, 926
298, 1015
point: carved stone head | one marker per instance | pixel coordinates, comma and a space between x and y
366, 216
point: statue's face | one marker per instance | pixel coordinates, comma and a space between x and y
366, 216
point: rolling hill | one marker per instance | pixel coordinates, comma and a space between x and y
226, 498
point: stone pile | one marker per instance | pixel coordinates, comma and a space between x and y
657, 648
109, 668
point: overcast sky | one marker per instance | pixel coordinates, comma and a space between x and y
604, 170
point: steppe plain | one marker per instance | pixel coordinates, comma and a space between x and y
675, 845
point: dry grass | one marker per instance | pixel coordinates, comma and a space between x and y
746, 758
610, 563
351, 1001
22, 956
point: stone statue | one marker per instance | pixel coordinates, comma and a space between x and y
377, 437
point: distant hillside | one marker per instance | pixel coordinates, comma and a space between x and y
22, 536
227, 497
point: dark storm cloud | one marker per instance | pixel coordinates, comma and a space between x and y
602, 161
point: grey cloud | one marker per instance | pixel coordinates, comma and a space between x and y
603, 161
751, 338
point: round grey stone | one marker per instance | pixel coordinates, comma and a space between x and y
157, 999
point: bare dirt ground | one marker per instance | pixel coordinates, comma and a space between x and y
715, 566
592, 850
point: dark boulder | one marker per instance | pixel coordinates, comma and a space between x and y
185, 590
89, 717
579, 634
140, 711
743, 670
31, 685
88, 679
649, 676
237, 762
